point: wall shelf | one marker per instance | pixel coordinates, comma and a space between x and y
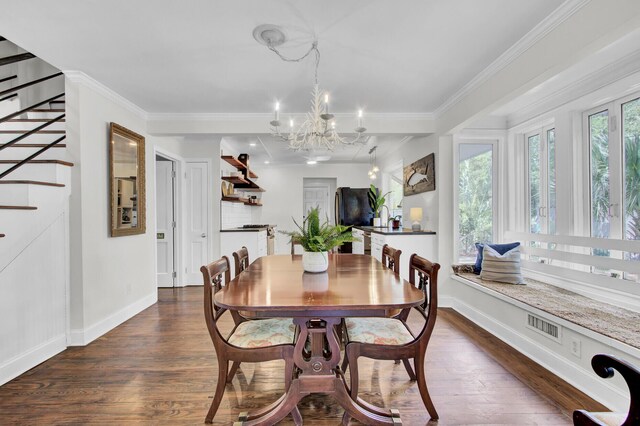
236, 180
244, 182
236, 200
239, 165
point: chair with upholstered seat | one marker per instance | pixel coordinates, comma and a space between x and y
604, 366
241, 259
391, 339
249, 341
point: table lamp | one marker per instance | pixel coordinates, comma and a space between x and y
415, 214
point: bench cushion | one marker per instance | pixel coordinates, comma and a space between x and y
603, 318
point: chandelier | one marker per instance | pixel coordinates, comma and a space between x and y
318, 130
373, 164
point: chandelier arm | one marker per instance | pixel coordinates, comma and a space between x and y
314, 46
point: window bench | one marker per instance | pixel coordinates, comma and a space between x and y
615, 322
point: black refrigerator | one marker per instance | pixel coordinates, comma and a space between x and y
352, 208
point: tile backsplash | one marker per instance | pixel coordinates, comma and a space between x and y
234, 215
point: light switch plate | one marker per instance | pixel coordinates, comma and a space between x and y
576, 347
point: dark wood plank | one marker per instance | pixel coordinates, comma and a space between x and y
18, 208
30, 182
61, 162
36, 145
159, 368
16, 58
39, 132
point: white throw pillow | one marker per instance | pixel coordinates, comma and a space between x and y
503, 268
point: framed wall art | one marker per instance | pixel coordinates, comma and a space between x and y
420, 176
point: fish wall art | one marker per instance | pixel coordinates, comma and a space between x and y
420, 176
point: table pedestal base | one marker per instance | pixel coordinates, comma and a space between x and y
317, 356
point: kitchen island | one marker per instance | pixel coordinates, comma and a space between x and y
424, 243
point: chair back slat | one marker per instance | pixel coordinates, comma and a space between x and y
241, 258
427, 281
391, 258
213, 275
293, 246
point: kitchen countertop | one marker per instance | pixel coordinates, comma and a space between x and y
264, 228
388, 231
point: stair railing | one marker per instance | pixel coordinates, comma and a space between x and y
12, 93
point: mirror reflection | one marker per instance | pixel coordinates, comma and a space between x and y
127, 181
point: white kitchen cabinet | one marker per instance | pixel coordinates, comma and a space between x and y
254, 241
357, 247
424, 245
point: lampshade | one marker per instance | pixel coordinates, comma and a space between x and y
415, 214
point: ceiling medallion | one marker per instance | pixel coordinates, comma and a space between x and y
318, 131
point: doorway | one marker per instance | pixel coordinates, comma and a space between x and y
166, 272
319, 192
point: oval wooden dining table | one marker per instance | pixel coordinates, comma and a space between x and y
353, 286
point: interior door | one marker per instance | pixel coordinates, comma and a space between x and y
197, 222
165, 223
317, 196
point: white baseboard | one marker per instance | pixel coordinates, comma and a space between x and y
82, 337
446, 302
586, 381
26, 361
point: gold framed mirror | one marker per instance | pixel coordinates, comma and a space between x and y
126, 181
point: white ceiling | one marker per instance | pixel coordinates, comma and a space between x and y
199, 56
263, 148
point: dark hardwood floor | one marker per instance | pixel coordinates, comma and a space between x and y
160, 368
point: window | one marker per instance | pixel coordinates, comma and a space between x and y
396, 192
476, 201
614, 169
541, 159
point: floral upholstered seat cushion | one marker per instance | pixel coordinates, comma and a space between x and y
378, 331
263, 333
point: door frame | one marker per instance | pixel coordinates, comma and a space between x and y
209, 189
177, 213
319, 183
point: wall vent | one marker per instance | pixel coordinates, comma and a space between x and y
544, 327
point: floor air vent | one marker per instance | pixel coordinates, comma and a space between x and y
544, 327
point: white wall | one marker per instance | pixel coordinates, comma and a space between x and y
283, 197
414, 150
112, 279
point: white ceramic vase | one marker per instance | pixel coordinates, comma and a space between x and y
315, 261
377, 221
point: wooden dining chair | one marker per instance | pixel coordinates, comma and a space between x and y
391, 339
293, 246
604, 366
249, 341
241, 259
391, 258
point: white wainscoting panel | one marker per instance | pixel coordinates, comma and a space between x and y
33, 302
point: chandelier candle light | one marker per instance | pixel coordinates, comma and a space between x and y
318, 131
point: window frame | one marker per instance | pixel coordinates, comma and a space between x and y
494, 141
543, 132
616, 170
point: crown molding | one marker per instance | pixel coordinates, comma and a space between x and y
557, 17
269, 116
79, 77
624, 67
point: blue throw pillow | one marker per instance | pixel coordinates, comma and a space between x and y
500, 248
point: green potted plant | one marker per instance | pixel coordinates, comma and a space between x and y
395, 221
376, 201
317, 240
